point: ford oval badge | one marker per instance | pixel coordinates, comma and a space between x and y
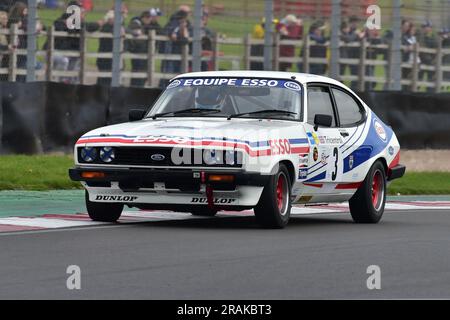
157, 157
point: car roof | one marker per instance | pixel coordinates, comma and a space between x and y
303, 78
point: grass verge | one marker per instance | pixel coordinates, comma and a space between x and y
46, 172
49, 172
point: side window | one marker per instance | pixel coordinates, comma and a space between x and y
348, 109
319, 102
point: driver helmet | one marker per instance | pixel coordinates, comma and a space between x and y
209, 98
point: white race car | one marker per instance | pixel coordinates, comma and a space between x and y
239, 140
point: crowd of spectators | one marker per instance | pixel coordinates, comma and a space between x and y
178, 29
352, 32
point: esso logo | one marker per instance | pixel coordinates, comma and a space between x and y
280, 146
174, 84
292, 86
380, 130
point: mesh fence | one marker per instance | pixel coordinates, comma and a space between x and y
155, 41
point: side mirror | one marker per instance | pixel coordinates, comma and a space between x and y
136, 114
322, 120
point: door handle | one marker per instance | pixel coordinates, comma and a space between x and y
344, 133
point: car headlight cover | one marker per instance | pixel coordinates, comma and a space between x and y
212, 157
88, 154
107, 154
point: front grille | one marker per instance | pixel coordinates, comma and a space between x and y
161, 156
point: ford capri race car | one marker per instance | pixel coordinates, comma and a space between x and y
242, 140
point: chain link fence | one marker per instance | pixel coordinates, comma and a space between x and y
144, 43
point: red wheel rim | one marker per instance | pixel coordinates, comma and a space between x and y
377, 190
280, 192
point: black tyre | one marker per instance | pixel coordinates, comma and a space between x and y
274, 207
203, 212
367, 204
105, 212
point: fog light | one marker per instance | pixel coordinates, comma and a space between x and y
92, 175
88, 154
221, 178
107, 154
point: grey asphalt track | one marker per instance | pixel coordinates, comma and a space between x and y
321, 256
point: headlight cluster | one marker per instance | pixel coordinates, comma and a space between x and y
95, 154
218, 157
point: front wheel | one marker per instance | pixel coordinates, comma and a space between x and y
367, 204
104, 212
274, 207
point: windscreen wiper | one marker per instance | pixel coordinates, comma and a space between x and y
260, 112
187, 111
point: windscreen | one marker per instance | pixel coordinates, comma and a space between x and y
224, 97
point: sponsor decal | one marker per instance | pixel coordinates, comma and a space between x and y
328, 140
174, 84
159, 139
216, 200
315, 154
116, 198
235, 82
313, 139
379, 129
303, 161
280, 146
323, 158
303, 173
350, 161
391, 150
157, 157
292, 86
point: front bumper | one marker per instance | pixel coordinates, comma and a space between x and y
170, 186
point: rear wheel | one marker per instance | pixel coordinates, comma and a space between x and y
367, 204
104, 212
274, 208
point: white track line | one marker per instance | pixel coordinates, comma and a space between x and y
58, 221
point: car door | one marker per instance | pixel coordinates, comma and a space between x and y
325, 162
351, 118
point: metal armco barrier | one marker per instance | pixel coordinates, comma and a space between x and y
45, 117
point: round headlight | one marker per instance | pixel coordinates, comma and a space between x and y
230, 156
88, 154
107, 154
212, 157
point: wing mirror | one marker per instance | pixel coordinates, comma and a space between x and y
322, 120
136, 114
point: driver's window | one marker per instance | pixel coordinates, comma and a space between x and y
319, 102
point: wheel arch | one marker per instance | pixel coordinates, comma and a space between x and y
291, 169
384, 162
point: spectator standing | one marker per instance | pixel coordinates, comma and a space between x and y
4, 45
317, 47
373, 38
18, 15
62, 61
409, 40
178, 30
140, 26
445, 38
350, 34
427, 39
106, 45
207, 39
289, 28
257, 50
